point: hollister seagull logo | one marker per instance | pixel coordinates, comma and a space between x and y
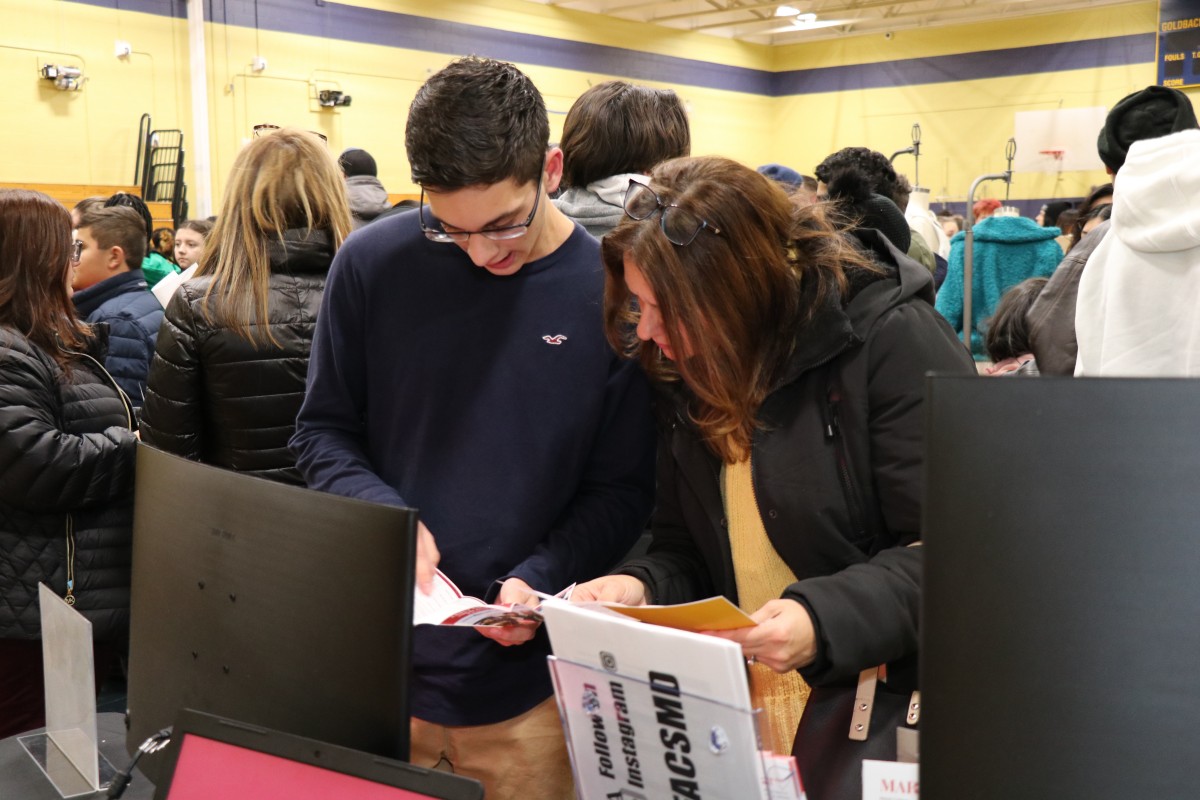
557, 338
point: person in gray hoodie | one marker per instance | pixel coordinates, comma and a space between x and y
614, 132
368, 198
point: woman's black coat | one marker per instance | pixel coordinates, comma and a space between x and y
214, 396
66, 483
837, 473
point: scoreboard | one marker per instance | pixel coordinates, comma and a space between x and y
1178, 57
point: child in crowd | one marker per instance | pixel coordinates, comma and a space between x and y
1007, 336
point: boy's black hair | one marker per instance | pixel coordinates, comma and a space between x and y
137, 204
477, 122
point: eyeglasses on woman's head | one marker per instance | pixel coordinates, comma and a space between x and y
680, 226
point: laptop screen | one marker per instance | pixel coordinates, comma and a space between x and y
207, 768
211, 757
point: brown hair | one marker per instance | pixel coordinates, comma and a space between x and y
476, 122
35, 238
742, 296
119, 226
279, 182
1007, 333
617, 127
200, 226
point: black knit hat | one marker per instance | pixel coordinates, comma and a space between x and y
1146, 114
885, 216
851, 189
357, 162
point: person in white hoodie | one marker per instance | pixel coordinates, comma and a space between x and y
614, 132
1138, 298
1146, 114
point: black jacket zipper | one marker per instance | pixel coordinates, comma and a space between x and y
833, 433
69, 597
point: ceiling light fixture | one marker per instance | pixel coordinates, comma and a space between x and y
804, 20
786, 11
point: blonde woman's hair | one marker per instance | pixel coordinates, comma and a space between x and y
284, 181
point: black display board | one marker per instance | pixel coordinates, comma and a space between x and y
271, 604
1059, 641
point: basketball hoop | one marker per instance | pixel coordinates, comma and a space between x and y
1055, 154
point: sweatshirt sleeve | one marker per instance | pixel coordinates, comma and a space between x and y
330, 438
615, 494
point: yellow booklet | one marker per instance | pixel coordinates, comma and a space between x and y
713, 614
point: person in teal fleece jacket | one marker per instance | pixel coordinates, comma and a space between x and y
1007, 250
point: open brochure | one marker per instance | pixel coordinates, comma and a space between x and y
447, 605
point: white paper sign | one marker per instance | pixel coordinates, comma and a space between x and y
890, 780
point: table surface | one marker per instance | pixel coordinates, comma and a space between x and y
21, 778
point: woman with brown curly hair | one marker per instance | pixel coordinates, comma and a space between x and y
790, 353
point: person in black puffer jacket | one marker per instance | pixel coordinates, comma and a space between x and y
66, 457
228, 373
791, 355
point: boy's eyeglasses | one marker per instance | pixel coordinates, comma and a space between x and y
680, 226
76, 251
495, 234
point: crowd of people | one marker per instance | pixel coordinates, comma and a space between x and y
557, 349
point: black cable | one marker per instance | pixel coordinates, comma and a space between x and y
152, 745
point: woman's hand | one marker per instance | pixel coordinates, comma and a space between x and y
784, 638
624, 589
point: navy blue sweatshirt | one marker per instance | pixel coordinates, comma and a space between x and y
496, 407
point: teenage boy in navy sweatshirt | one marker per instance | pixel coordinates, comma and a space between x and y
460, 366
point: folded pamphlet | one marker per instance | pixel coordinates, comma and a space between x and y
447, 605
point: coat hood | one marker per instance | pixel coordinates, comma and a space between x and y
1154, 208
368, 199
836, 327
302, 251
600, 206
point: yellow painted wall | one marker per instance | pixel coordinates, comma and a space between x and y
87, 136
382, 82
90, 136
964, 125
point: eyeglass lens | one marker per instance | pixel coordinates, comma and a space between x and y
76, 251
679, 225
495, 234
